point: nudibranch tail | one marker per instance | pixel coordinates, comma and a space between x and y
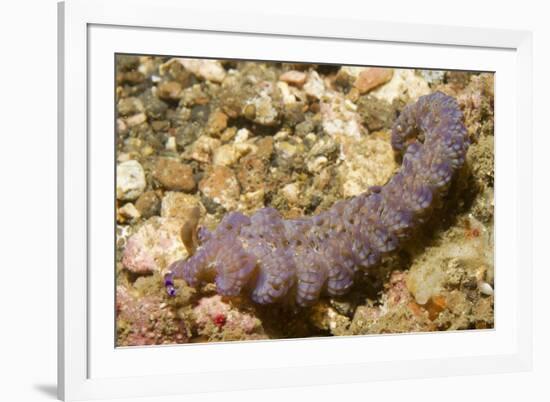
276, 260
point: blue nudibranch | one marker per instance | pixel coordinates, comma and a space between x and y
275, 259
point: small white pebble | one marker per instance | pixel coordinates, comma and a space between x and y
311, 137
350, 105
130, 180
129, 211
123, 157
486, 289
171, 144
317, 164
242, 135
281, 135
292, 192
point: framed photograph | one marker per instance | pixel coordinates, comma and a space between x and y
255, 201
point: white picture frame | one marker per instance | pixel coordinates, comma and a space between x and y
89, 365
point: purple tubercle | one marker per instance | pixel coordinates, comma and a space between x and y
276, 260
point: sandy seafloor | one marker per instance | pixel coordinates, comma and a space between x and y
198, 138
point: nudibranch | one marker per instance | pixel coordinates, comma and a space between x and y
275, 259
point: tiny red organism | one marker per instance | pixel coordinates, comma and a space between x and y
220, 320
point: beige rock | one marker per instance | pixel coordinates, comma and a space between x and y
203, 148
221, 185
228, 134
251, 173
129, 212
340, 116
136, 119
286, 94
123, 157
366, 162
148, 204
292, 192
171, 144
348, 74
310, 139
265, 147
130, 106
147, 150
147, 65
404, 84
226, 155
229, 154
314, 87
154, 246
281, 135
217, 122
317, 164
264, 113
252, 201
121, 126
293, 77
180, 205
130, 180
286, 149
426, 282
174, 175
371, 78
211, 70
169, 90
325, 145
194, 95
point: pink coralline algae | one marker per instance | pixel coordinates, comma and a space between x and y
278, 260
223, 316
146, 320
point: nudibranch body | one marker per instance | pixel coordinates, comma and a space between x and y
276, 259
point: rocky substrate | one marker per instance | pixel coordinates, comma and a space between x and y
198, 138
